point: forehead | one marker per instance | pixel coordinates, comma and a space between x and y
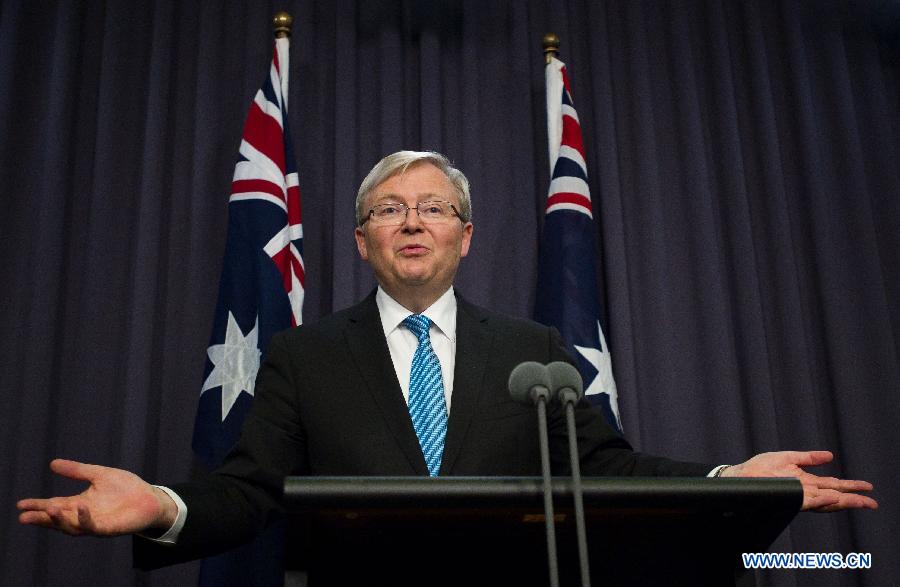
419, 182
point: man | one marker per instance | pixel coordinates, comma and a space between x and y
412, 381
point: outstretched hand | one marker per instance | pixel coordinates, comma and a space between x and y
116, 502
820, 494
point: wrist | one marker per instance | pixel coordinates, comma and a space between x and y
168, 510
730, 471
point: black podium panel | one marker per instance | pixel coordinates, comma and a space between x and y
487, 531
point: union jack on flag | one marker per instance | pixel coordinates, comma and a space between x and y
260, 293
567, 292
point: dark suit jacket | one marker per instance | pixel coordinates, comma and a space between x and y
328, 403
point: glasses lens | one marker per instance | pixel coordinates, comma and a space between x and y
433, 210
389, 213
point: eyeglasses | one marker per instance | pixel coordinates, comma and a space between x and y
394, 214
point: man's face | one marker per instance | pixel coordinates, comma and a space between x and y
414, 254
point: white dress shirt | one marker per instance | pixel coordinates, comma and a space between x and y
402, 343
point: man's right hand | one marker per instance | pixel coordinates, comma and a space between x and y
116, 502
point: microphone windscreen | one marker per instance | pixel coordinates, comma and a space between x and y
525, 377
565, 376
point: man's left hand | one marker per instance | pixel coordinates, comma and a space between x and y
820, 494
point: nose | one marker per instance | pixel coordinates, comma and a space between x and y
412, 222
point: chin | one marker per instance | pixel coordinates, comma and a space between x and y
415, 276
415, 280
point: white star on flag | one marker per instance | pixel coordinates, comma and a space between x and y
603, 382
235, 363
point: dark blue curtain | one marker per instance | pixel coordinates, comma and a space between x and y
743, 159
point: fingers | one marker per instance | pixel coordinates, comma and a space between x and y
43, 505
809, 458
830, 494
74, 469
856, 501
813, 499
31, 504
832, 501
36, 518
66, 468
52, 514
818, 457
838, 484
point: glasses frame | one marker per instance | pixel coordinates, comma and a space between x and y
371, 212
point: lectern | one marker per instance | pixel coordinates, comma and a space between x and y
490, 531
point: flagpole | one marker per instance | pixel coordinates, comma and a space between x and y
551, 47
554, 87
265, 162
282, 23
551, 44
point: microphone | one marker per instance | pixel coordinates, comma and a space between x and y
566, 380
568, 388
529, 383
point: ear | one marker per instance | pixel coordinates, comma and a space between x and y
361, 243
468, 228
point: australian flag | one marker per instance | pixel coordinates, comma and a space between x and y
260, 293
567, 293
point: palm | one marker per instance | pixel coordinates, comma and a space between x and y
823, 494
119, 503
116, 502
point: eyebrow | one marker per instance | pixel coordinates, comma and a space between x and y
391, 197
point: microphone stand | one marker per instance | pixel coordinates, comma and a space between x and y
568, 388
529, 383
540, 395
577, 491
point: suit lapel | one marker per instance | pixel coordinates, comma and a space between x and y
369, 350
473, 340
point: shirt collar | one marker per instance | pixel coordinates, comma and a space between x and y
442, 313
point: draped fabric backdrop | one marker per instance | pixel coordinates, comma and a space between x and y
743, 158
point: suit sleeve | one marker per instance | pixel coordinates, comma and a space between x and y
604, 452
229, 506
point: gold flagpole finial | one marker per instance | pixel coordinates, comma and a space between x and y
282, 23
551, 47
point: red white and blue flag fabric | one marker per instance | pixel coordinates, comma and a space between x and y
568, 296
260, 293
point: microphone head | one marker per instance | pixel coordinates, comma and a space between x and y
524, 378
565, 378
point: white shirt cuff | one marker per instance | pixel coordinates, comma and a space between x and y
717, 471
170, 536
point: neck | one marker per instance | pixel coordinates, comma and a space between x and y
416, 299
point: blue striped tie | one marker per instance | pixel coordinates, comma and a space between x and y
427, 407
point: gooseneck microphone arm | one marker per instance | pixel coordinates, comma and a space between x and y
568, 387
529, 383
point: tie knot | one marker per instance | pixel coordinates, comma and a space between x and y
419, 325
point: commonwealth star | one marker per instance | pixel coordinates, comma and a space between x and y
235, 363
603, 382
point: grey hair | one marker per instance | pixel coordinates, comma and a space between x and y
399, 162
